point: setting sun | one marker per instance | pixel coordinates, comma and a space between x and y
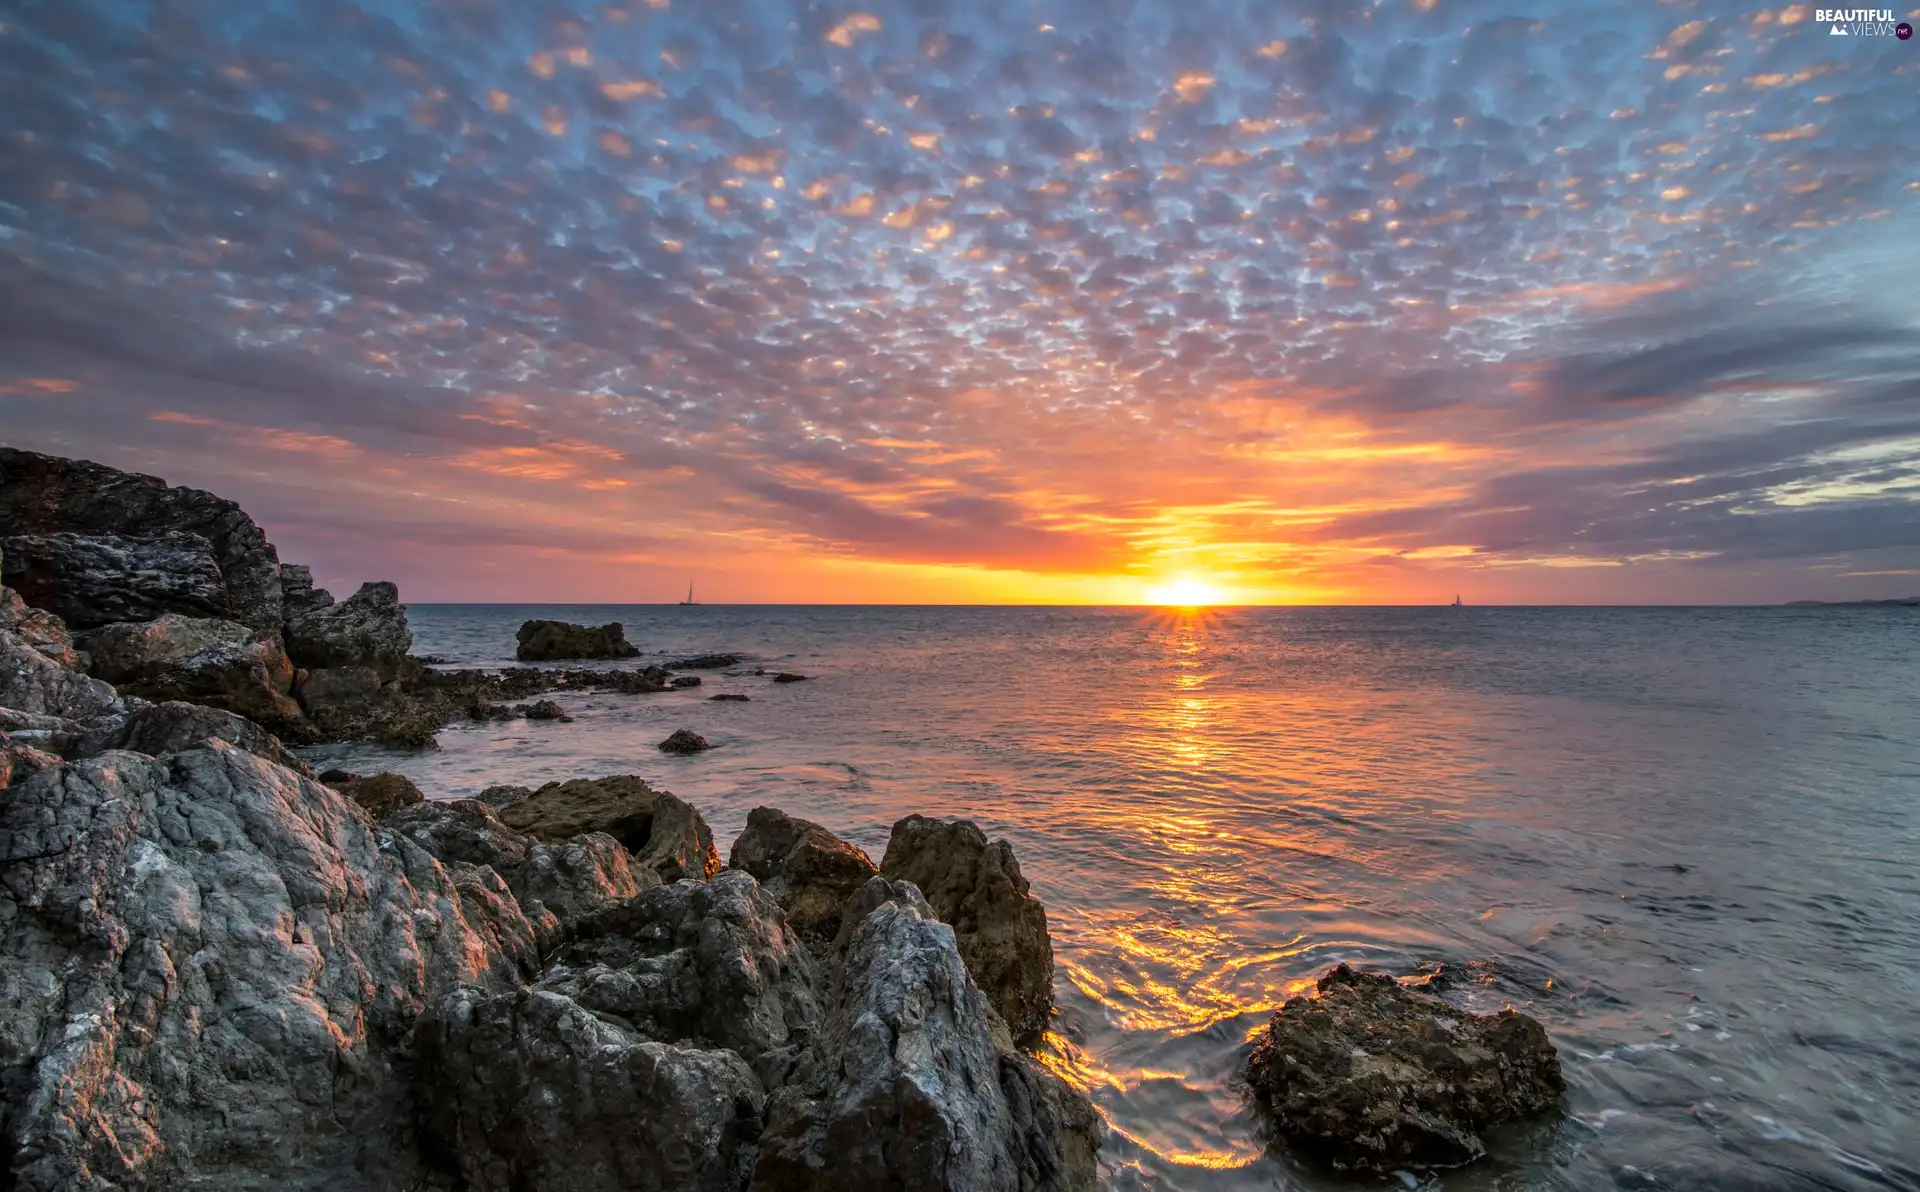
1186, 593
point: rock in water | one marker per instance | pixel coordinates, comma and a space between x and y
915, 1084
663, 833
213, 967
380, 795
789, 677
39, 628
1377, 1077
808, 870
540, 641
368, 628
175, 725
32, 682
533, 1090
730, 697
684, 740
42, 495
976, 887
222, 664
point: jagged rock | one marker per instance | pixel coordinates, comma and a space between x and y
346, 703
1374, 1076
664, 834
976, 887
680, 682
705, 662
91, 580
368, 628
462, 832
380, 795
684, 740
730, 697
541, 641
706, 964
34, 683
531, 1090
297, 593
222, 664
42, 630
566, 879
54, 734
808, 870
213, 966
44, 495
789, 677
502, 796
20, 761
544, 709
169, 727
914, 1083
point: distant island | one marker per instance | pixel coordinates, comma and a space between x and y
1895, 602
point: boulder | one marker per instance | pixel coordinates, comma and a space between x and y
222, 664
380, 795
20, 761
976, 886
541, 641
808, 870
169, 727
684, 740
42, 630
502, 796
565, 879
345, 703
730, 697
213, 968
532, 1090
681, 682
789, 677
913, 1081
663, 833
33, 683
461, 832
543, 709
298, 596
44, 495
1373, 1076
368, 628
702, 964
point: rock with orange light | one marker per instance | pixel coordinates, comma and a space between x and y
975, 885
1372, 1076
808, 870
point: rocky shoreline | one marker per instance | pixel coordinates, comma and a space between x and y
223, 970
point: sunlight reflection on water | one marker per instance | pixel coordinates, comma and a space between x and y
1593, 808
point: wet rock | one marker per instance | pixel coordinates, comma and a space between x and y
808, 870
679, 682
541, 641
705, 662
42, 630
664, 834
368, 628
684, 740
544, 709
1373, 1076
914, 1083
730, 697
502, 796
703, 964
219, 663
33, 683
169, 727
976, 886
213, 966
20, 761
789, 677
380, 795
532, 1090
140, 548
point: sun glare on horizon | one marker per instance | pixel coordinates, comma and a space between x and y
1186, 593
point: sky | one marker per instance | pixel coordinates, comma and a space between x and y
952, 301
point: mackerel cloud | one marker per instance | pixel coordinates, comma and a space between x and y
1313, 290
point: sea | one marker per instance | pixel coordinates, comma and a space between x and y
1686, 839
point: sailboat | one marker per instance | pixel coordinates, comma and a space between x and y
691, 600
1456, 598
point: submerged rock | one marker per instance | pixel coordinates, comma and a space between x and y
543, 709
684, 740
541, 641
368, 628
201, 660
42, 630
730, 697
1373, 1076
664, 834
789, 677
704, 662
141, 548
914, 1083
976, 886
213, 969
808, 870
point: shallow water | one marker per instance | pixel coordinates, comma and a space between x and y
1687, 840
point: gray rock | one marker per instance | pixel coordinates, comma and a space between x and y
540, 641
664, 834
706, 964
43, 495
169, 727
343, 702
368, 628
684, 741
33, 683
20, 761
212, 967
42, 630
222, 664
91, 580
576, 877
462, 832
1373, 1076
531, 1090
502, 796
915, 1083
298, 596
808, 870
976, 887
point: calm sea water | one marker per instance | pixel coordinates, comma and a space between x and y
1688, 840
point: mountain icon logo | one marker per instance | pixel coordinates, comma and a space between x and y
1837, 32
